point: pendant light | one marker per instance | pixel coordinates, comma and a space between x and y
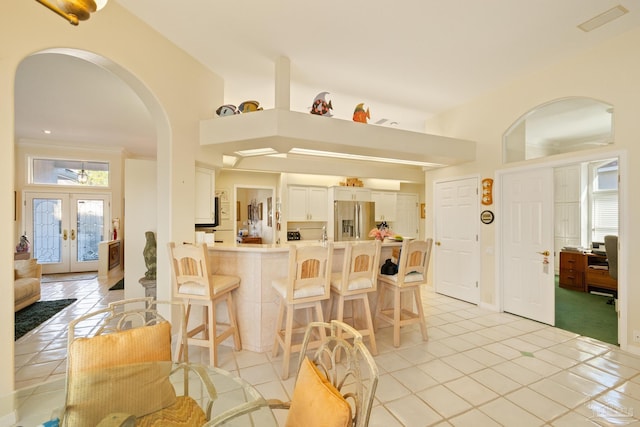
83, 177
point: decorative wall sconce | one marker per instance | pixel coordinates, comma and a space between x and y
74, 10
487, 191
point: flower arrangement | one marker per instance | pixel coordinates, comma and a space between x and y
380, 233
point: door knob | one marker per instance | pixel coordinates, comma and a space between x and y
438, 243
73, 234
64, 234
545, 253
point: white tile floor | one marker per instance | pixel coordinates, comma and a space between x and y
479, 368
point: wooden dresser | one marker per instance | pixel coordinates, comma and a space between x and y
582, 272
572, 266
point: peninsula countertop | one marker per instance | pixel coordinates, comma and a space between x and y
258, 265
284, 247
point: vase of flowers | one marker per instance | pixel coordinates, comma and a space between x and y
381, 231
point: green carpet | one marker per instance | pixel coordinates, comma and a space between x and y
37, 313
586, 314
117, 286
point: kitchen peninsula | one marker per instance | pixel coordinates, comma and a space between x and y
257, 265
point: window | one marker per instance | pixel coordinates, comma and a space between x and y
69, 172
604, 199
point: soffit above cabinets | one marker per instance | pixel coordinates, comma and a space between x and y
284, 130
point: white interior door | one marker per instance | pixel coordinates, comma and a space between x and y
527, 256
65, 229
457, 249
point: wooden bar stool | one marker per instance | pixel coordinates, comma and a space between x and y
412, 272
195, 285
358, 277
305, 287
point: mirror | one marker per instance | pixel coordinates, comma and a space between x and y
560, 126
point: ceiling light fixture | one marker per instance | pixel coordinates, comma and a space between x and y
319, 153
74, 11
603, 18
83, 177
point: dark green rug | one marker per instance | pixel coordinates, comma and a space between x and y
37, 313
586, 314
119, 285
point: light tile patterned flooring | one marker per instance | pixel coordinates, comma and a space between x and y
479, 368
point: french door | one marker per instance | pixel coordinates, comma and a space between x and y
66, 228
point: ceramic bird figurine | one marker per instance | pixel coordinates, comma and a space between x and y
227, 110
249, 106
320, 105
360, 115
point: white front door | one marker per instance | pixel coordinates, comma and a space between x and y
65, 230
457, 249
527, 256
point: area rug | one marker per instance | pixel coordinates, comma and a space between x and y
117, 286
67, 277
37, 313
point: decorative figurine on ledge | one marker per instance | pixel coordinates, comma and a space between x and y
360, 115
249, 106
320, 106
149, 253
227, 110
24, 244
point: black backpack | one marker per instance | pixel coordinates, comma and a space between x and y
389, 268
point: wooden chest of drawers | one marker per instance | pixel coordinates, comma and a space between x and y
572, 269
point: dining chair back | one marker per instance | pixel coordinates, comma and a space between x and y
119, 367
335, 384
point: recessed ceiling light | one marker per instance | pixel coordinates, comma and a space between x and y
603, 18
46, 131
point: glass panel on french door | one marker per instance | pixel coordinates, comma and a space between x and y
90, 228
47, 230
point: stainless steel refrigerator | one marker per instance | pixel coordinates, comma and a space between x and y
353, 220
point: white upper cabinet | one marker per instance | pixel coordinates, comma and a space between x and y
351, 193
386, 205
205, 187
308, 203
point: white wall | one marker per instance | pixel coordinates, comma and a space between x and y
141, 200
178, 91
608, 73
